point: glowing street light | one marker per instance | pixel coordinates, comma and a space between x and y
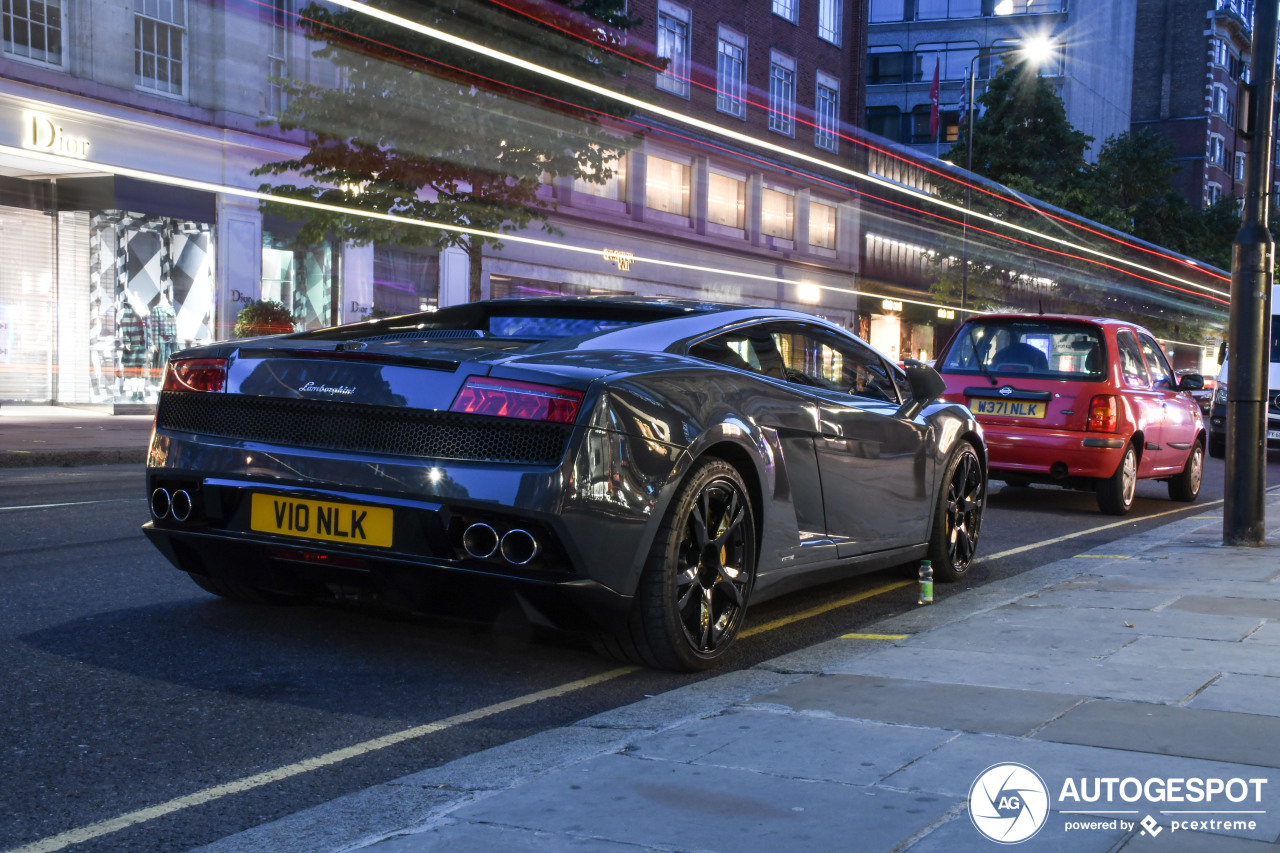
1035, 51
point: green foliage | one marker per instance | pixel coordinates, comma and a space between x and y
1025, 142
433, 132
263, 317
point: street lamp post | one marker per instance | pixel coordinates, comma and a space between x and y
1034, 52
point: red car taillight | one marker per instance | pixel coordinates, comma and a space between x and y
1103, 414
508, 398
196, 374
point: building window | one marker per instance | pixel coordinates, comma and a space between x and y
830, 20
726, 200
731, 73
1219, 100
160, 45
1217, 149
822, 225
886, 122
886, 11
886, 64
673, 45
278, 55
948, 125
1028, 7
1238, 174
782, 94
1214, 195
666, 185
1219, 51
826, 110
33, 30
952, 60
786, 9
935, 9
613, 187
777, 214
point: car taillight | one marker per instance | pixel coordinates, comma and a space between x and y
508, 398
1103, 414
196, 374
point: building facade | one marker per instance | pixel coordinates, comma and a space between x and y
1188, 84
1093, 43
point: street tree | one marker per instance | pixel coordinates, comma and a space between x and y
435, 133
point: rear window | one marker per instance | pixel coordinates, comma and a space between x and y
1052, 350
546, 328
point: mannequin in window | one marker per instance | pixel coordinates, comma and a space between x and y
134, 352
162, 330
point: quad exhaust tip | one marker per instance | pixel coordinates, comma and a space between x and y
519, 547
180, 505
160, 503
480, 541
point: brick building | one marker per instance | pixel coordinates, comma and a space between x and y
1189, 71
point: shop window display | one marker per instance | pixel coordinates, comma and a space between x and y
151, 293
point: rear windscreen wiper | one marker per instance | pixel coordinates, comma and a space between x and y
976, 354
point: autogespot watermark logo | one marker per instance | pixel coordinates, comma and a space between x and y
1008, 802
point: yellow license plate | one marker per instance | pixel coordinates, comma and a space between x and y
331, 522
1008, 408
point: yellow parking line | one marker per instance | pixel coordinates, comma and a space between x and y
824, 608
115, 824
874, 636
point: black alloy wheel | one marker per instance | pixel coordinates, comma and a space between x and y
693, 594
958, 518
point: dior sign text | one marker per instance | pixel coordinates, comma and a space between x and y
42, 133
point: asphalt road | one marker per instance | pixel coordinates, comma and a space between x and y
126, 687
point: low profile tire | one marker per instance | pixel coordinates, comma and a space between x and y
1185, 485
1115, 493
697, 579
958, 516
234, 591
1217, 447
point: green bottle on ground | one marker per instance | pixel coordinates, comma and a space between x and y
926, 582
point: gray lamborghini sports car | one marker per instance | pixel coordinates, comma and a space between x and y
641, 470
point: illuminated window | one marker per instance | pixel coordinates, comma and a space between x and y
613, 185
822, 225
731, 73
782, 94
826, 111
160, 45
777, 214
830, 14
666, 185
726, 200
33, 30
673, 45
1217, 149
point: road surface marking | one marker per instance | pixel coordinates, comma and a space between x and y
874, 636
824, 608
1034, 545
70, 503
106, 827
1102, 556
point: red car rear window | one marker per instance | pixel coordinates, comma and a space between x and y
1051, 349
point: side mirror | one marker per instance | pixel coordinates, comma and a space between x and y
925, 382
926, 386
1191, 382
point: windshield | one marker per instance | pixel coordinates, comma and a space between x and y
1049, 349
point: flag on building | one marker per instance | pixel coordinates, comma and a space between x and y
933, 101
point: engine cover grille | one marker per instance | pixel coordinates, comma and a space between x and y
366, 429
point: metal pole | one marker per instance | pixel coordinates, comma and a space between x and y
968, 165
1244, 511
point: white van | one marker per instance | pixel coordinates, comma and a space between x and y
1218, 413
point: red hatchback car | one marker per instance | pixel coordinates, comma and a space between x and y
1080, 402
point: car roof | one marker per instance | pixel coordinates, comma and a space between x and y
1068, 318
